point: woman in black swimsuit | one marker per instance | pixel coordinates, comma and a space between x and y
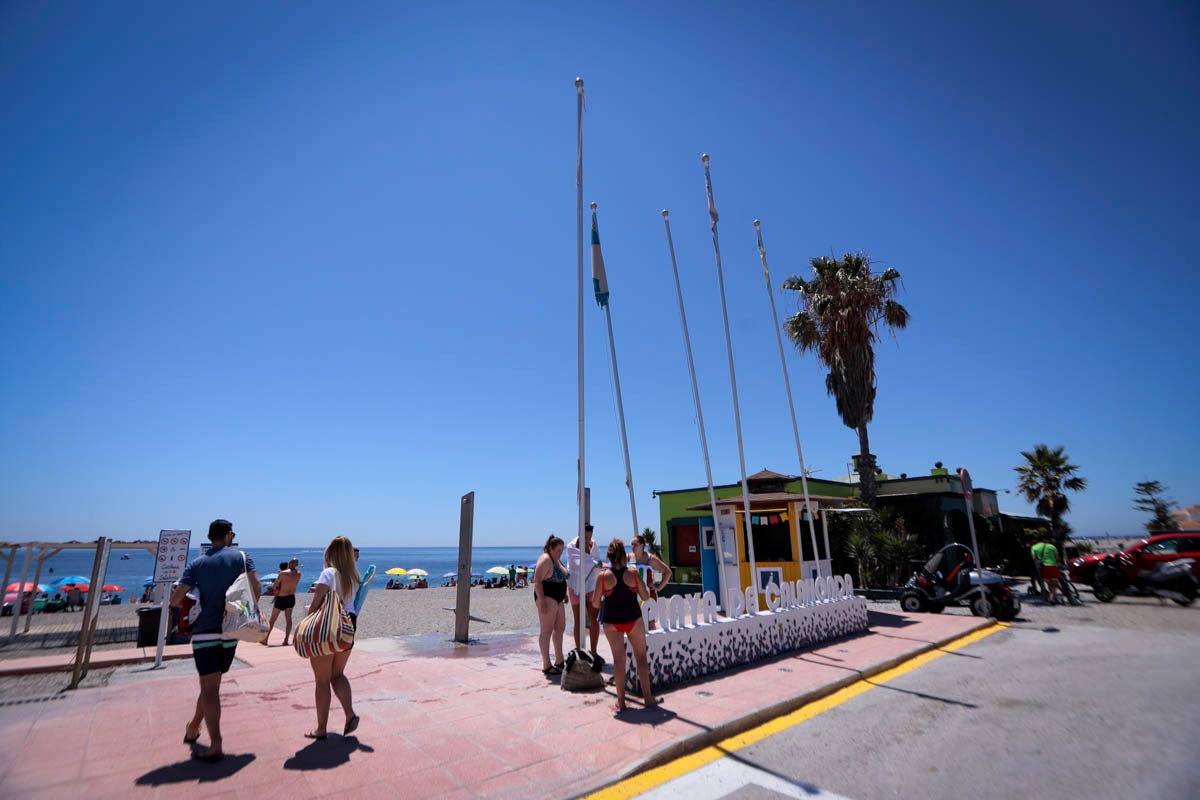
549, 593
619, 589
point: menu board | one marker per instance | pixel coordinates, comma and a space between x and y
172, 555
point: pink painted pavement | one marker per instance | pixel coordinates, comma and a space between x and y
438, 720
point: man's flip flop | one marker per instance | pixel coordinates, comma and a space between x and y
552, 670
211, 758
192, 739
351, 726
314, 735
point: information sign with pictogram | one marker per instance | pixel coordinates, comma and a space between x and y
172, 555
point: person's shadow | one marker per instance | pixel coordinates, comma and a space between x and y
326, 753
195, 770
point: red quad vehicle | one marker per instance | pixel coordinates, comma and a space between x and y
1145, 556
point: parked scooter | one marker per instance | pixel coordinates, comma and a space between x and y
1173, 580
949, 578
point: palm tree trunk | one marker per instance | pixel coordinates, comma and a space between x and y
866, 468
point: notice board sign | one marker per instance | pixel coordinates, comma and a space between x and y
172, 555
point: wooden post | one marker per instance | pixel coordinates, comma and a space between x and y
462, 609
91, 610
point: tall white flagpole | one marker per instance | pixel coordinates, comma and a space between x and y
580, 578
600, 281
787, 383
737, 414
687, 344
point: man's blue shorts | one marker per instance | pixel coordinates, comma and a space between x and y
214, 656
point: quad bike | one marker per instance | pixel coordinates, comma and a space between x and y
950, 577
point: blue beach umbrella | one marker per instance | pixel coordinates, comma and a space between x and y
149, 581
269, 578
71, 579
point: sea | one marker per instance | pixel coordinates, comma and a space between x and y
133, 573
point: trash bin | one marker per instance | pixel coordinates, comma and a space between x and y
148, 621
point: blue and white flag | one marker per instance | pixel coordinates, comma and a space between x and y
599, 278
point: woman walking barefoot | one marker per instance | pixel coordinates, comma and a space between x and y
549, 593
341, 576
619, 588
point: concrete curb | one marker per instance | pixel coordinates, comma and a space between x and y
753, 719
13, 668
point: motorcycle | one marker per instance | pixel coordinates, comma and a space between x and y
1173, 580
949, 578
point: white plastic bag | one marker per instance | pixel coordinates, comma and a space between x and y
242, 620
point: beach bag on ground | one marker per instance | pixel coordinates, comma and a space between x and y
581, 672
242, 620
327, 630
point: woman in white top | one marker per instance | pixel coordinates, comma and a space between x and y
341, 576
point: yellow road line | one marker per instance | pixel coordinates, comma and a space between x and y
631, 787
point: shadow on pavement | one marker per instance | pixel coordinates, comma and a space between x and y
194, 770
882, 619
326, 753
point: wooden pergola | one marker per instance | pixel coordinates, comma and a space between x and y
38, 553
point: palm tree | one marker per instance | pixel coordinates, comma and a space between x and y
841, 309
1044, 478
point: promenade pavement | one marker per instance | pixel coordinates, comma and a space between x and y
438, 720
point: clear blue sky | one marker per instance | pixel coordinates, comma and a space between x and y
311, 267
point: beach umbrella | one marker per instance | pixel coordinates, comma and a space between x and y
29, 587
418, 572
269, 578
396, 571
84, 587
449, 574
70, 579
149, 581
498, 570
112, 587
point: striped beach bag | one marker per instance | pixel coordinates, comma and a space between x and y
326, 631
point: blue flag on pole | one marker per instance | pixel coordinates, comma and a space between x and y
599, 278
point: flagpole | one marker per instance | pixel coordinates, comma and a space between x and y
580, 579
600, 284
787, 383
737, 414
687, 345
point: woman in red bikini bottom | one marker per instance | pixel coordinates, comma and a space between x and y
619, 588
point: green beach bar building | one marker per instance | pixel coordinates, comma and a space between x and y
932, 506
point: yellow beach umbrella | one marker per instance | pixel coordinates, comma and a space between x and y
396, 571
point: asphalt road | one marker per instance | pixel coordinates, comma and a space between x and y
1097, 701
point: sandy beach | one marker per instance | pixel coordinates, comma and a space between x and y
400, 612
405, 612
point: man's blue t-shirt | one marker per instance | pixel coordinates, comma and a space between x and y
213, 574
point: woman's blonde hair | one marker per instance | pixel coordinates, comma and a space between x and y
340, 555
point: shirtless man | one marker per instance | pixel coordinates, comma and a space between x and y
285, 598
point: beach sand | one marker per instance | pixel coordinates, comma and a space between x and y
387, 613
405, 612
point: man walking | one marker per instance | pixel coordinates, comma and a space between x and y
1045, 554
285, 598
212, 575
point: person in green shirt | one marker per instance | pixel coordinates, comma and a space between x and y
1046, 554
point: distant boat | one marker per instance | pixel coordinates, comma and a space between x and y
125, 556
